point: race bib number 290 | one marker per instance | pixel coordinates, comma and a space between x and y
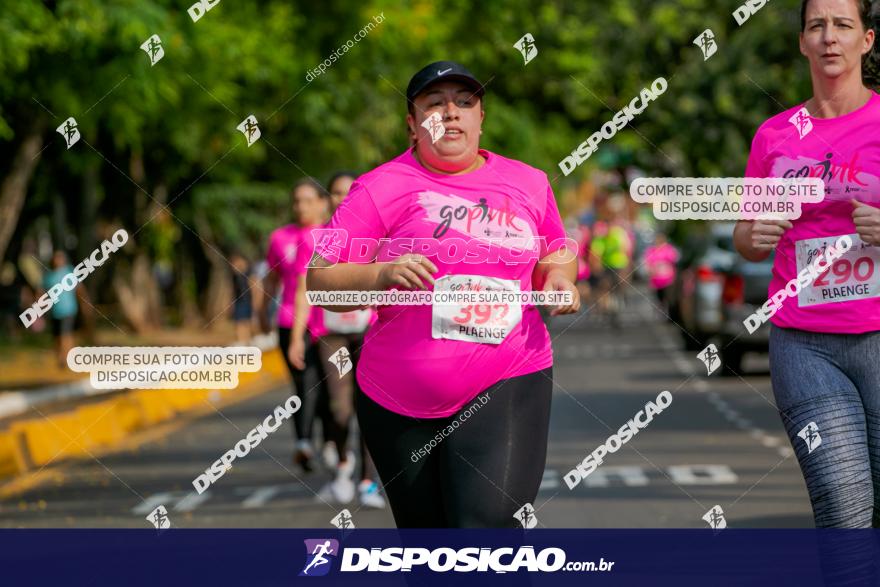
854, 276
486, 323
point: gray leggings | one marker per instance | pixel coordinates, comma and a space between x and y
827, 388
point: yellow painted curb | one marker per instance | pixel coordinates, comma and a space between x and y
36, 442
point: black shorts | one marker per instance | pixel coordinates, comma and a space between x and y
241, 311
62, 325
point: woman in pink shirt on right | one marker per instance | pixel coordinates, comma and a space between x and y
454, 401
660, 260
825, 340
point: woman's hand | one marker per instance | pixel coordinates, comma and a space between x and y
867, 221
556, 281
765, 234
296, 352
410, 271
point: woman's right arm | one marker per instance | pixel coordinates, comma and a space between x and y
408, 271
754, 239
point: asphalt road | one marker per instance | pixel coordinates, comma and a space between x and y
720, 443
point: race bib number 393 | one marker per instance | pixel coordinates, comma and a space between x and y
486, 323
854, 276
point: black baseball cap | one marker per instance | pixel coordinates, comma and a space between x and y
442, 71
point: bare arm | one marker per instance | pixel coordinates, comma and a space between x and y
562, 263
754, 239
270, 290
558, 272
409, 271
301, 310
296, 349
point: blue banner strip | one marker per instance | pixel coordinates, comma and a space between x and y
641, 558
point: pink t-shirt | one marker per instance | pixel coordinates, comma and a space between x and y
290, 249
281, 256
317, 326
660, 261
406, 365
844, 152
583, 241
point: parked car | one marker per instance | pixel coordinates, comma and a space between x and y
714, 291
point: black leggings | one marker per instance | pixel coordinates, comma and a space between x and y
307, 384
336, 407
488, 466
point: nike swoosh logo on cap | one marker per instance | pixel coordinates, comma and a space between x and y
444, 71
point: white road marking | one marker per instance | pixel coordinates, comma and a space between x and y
262, 495
191, 501
152, 502
702, 475
639, 476
630, 476
550, 481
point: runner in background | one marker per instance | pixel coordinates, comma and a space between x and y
339, 338
242, 305
660, 260
825, 341
63, 312
611, 252
424, 369
286, 268
580, 233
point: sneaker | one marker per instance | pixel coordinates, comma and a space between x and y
329, 455
369, 496
340, 490
304, 455
348, 465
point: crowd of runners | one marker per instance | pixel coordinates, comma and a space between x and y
417, 368
385, 381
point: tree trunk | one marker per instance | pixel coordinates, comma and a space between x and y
186, 288
15, 184
138, 298
218, 298
137, 292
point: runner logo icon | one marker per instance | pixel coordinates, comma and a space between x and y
706, 42
250, 129
802, 122
526, 46
343, 520
811, 436
329, 243
434, 125
526, 516
159, 518
715, 518
342, 360
710, 358
320, 553
153, 48
70, 131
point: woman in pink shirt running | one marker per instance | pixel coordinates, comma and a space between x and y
339, 338
455, 400
287, 270
660, 260
825, 338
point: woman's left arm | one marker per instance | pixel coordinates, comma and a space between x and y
557, 268
558, 272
